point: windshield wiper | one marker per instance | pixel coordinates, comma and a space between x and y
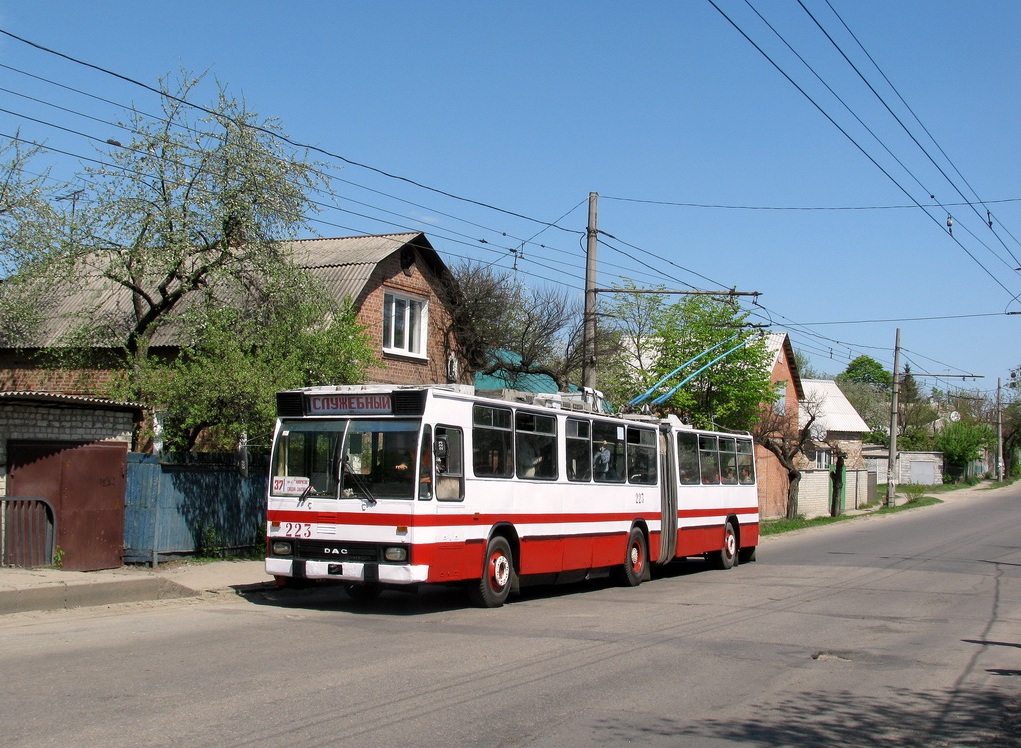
362, 487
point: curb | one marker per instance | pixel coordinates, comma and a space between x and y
80, 594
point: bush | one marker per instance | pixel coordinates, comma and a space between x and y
913, 491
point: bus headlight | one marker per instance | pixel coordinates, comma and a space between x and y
281, 548
395, 553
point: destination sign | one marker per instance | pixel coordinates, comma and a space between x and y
338, 405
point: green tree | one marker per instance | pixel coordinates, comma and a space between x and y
185, 220
962, 442
631, 321
867, 370
192, 205
730, 392
29, 227
223, 384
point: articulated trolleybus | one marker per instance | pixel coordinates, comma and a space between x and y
395, 486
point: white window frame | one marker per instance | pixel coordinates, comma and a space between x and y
824, 459
400, 317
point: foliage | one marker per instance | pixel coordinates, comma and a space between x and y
657, 339
224, 382
632, 321
27, 231
872, 404
185, 220
192, 206
785, 437
501, 325
913, 491
866, 370
805, 368
963, 442
913, 439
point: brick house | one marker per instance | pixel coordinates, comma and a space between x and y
395, 281
786, 381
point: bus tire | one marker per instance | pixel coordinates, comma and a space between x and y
637, 559
746, 555
726, 557
363, 593
492, 589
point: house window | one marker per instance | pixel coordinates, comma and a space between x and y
823, 459
405, 320
780, 398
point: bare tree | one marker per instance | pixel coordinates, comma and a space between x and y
781, 434
501, 325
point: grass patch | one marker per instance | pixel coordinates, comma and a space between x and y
777, 526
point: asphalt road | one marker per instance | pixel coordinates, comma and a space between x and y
902, 630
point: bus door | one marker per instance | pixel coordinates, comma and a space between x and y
668, 497
443, 448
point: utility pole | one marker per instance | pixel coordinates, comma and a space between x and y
588, 369
891, 477
999, 432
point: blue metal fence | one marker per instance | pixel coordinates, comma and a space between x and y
192, 504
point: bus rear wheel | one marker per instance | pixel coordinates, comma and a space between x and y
726, 557
637, 560
492, 590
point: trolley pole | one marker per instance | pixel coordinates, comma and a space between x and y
588, 375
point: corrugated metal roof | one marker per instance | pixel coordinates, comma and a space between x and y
344, 265
835, 411
56, 397
347, 250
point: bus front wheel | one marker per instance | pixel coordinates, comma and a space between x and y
492, 589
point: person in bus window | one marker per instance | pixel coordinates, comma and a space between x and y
528, 458
745, 474
601, 461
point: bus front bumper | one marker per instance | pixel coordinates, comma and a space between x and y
346, 572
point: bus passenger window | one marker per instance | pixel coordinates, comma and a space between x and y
687, 459
745, 462
492, 440
728, 459
536, 445
579, 450
709, 459
642, 459
608, 448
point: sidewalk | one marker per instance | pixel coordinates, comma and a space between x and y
53, 589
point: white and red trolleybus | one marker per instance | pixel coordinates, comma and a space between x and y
377, 486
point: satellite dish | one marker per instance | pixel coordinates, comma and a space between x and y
955, 416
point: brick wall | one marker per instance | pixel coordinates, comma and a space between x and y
21, 375
78, 424
417, 281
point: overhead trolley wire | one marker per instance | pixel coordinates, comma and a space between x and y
854, 142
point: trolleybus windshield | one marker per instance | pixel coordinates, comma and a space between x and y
346, 458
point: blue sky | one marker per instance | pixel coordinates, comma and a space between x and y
713, 169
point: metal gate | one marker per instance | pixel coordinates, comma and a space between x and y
27, 532
84, 485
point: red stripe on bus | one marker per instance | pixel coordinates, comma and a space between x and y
448, 520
